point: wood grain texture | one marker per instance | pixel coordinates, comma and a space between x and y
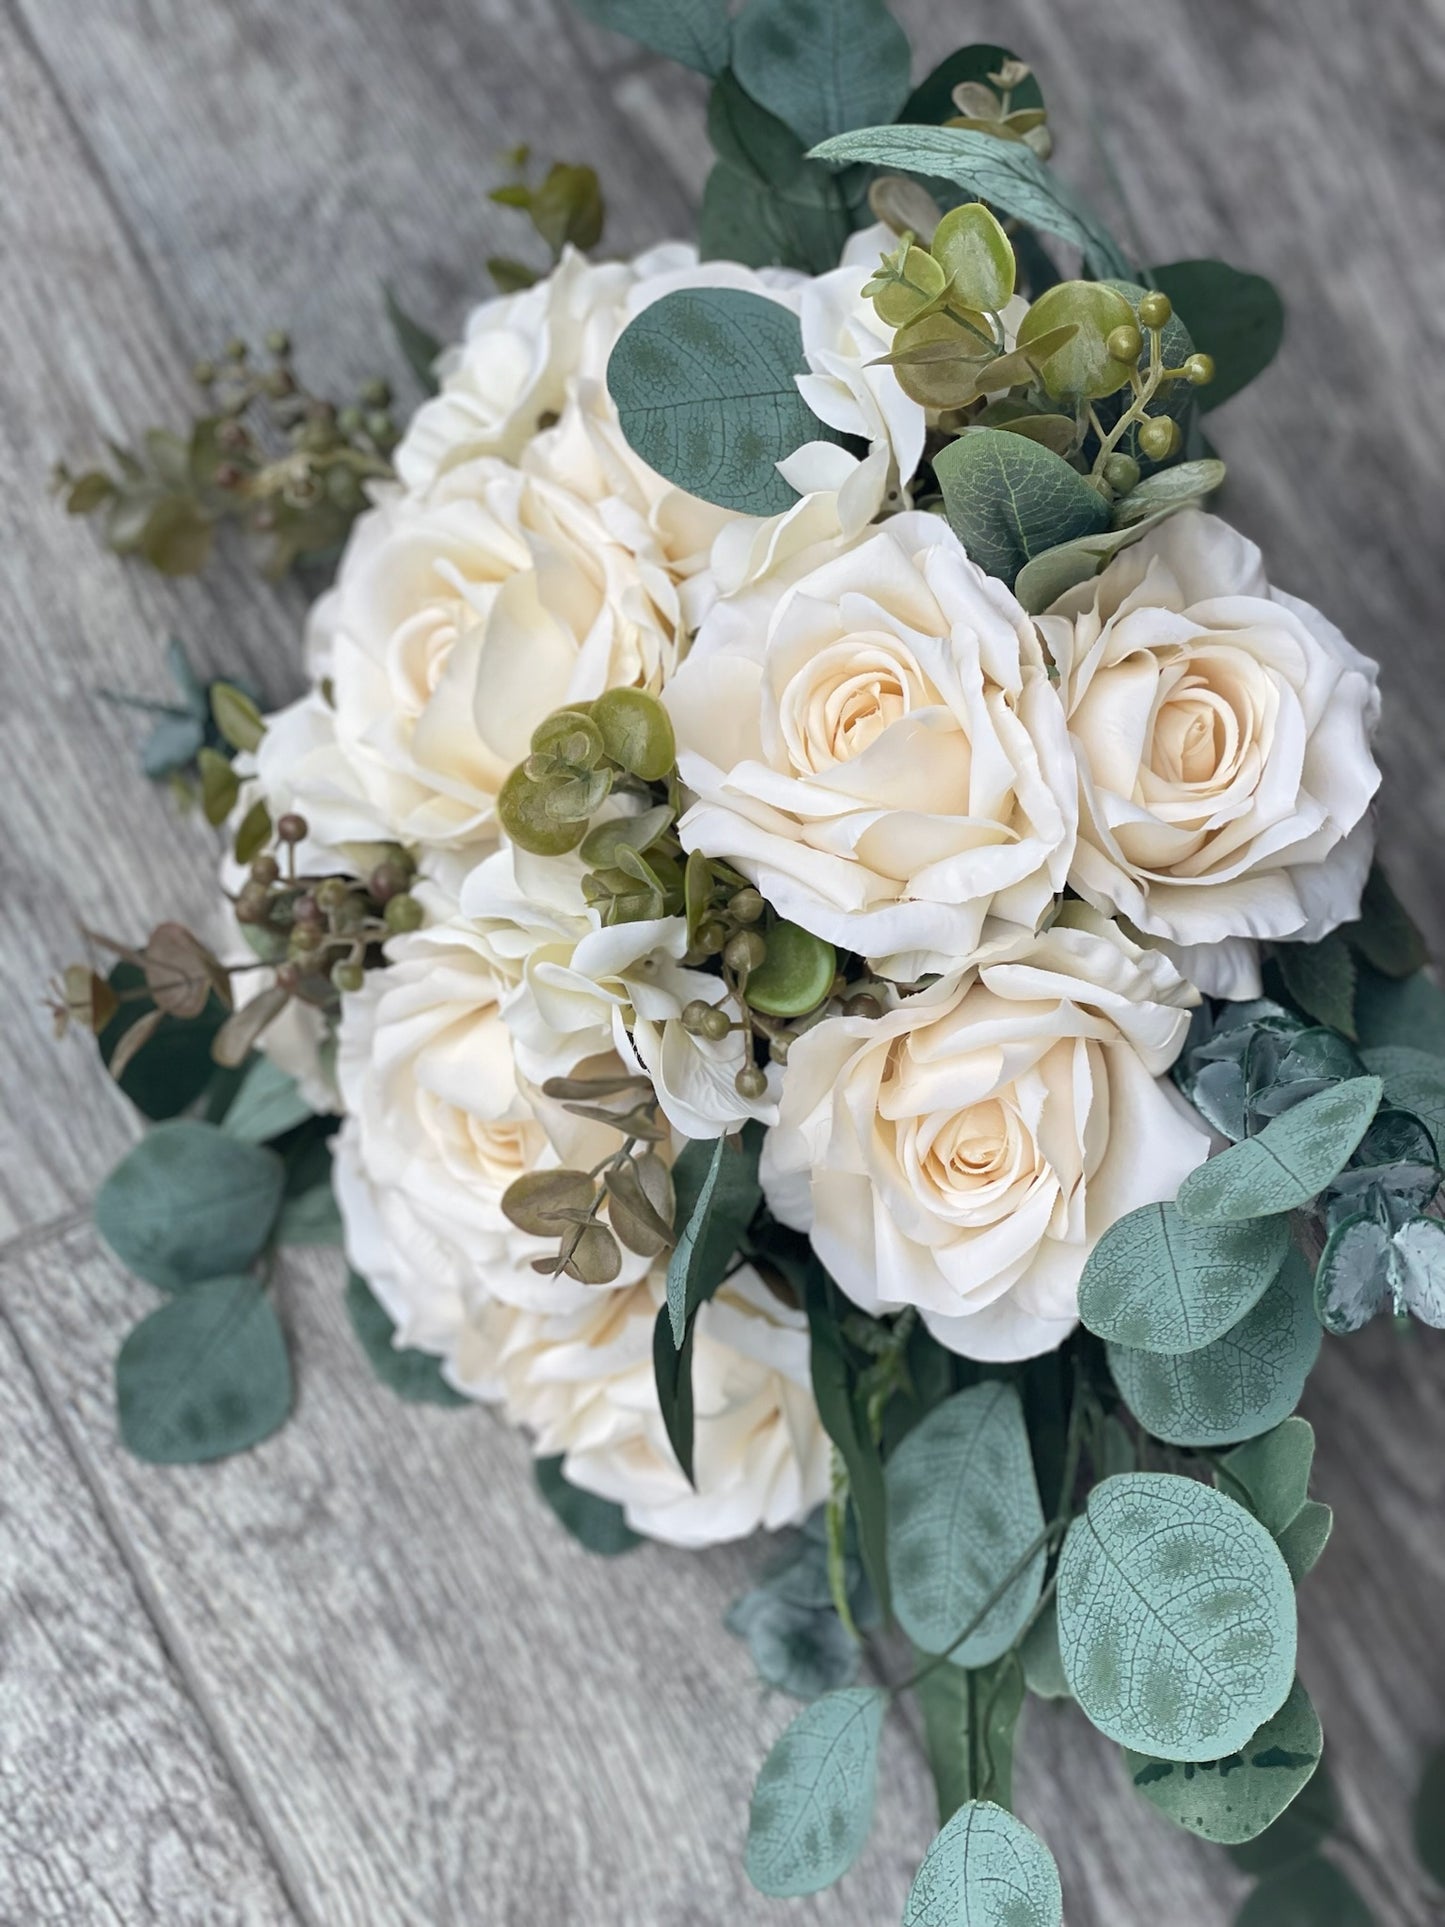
443, 1711
114, 1803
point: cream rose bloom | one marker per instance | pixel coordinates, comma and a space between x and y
457, 622
438, 1125
1222, 733
582, 1383
964, 1152
878, 748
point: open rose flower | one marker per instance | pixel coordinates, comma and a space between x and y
877, 746
582, 1382
1222, 733
964, 1152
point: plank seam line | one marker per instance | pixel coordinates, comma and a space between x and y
20, 1243
166, 1632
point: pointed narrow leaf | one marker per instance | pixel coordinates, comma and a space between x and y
189, 1203
986, 1870
204, 1376
813, 1802
1289, 1163
1157, 1282
419, 346
717, 1191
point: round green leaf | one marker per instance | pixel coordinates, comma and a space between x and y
1041, 1660
1241, 1385
1353, 1279
1414, 1081
413, 1375
822, 65
1305, 1538
1176, 1617
1083, 369
694, 32
986, 1869
268, 1103
813, 1802
795, 975
1236, 1798
1296, 1834
1289, 1163
1237, 318
1312, 1893
1158, 1283
1274, 1473
1009, 499
963, 1509
976, 255
636, 732
598, 1524
188, 1203
704, 382
204, 1376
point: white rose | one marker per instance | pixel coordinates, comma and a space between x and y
1222, 732
438, 1125
581, 989
457, 623
882, 754
967, 1150
582, 1383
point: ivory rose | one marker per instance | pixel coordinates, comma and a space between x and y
964, 1152
878, 748
1222, 733
582, 1382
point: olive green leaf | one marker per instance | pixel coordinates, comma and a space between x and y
1235, 317
1272, 1473
694, 32
1240, 1385
813, 1802
1234, 1799
419, 346
1084, 368
1009, 499
822, 65
598, 1524
704, 383
413, 1375
636, 732
268, 1103
1158, 1282
1289, 1163
204, 1376
963, 1510
236, 716
1176, 1617
1006, 174
986, 1869
220, 786
189, 1203
976, 255
795, 975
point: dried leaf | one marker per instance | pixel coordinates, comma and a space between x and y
638, 1208
89, 999
537, 1202
181, 972
593, 1257
140, 1033
241, 1029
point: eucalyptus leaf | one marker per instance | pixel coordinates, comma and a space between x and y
204, 1376
1289, 1163
1234, 1799
986, 1869
822, 66
1041, 1659
1385, 934
598, 1524
1414, 1081
1172, 487
963, 1511
813, 1802
705, 389
1352, 1282
1049, 576
694, 32
414, 1376
1305, 1538
1006, 174
1176, 1617
268, 1103
310, 1218
189, 1203
672, 1374
1321, 978
847, 1426
236, 716
1296, 1835
970, 1717
1158, 1282
1240, 1385
1235, 317
1311, 1893
1010, 499
1408, 1011
1274, 1473
175, 1066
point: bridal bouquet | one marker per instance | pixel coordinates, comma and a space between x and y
814, 934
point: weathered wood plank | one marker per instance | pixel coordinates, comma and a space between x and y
447, 1711
114, 1803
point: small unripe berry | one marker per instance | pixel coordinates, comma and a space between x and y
386, 881
863, 1005
251, 904
716, 1024
1121, 472
305, 937
348, 976
332, 893
747, 904
1199, 369
712, 934
265, 870
744, 951
291, 828
350, 421
1159, 438
403, 913
376, 393
278, 343
306, 909
695, 1016
1125, 343
1155, 308
204, 373
751, 1082
288, 978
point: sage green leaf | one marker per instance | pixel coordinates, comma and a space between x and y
204, 1376
1173, 487
963, 1511
970, 1717
1320, 978
413, 1375
704, 383
932, 99
1041, 582
1236, 1798
796, 974
1237, 318
1429, 1817
694, 32
843, 1419
1009, 499
813, 1802
1176, 1617
1418, 1269
1352, 1283
1042, 1661
1408, 1011
1289, 1163
1296, 1835
1006, 174
1311, 1893
1158, 1282
822, 65
765, 202
672, 1374
1239, 1386
1305, 1538
598, 1524
1414, 1081
268, 1103
717, 1191
310, 1218
1272, 1473
985, 1869
1386, 935
236, 716
189, 1203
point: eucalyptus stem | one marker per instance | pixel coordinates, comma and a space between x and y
1020, 1565
836, 1518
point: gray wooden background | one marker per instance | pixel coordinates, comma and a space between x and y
358, 1678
